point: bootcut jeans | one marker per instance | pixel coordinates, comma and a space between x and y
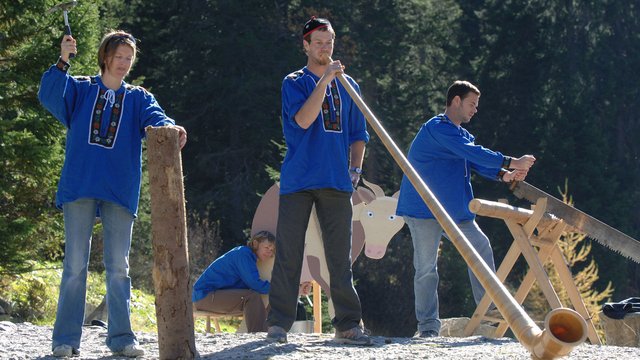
426, 235
117, 223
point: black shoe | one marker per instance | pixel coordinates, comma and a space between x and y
276, 334
428, 334
353, 336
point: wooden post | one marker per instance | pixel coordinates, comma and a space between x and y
317, 308
174, 311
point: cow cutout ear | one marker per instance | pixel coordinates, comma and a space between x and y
266, 215
396, 195
377, 190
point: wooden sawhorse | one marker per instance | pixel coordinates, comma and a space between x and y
522, 223
212, 317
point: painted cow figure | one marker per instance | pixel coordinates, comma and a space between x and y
374, 224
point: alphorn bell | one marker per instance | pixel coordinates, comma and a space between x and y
564, 328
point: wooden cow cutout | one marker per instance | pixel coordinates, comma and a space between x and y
374, 224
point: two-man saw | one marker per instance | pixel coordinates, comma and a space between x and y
590, 226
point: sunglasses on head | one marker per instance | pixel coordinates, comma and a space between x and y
122, 38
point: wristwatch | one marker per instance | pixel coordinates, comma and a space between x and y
356, 170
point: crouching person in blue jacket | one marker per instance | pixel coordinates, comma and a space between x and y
232, 284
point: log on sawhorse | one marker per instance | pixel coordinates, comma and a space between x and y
521, 224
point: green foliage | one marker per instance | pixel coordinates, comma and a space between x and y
31, 140
558, 93
143, 312
141, 255
204, 244
33, 295
230, 136
30, 297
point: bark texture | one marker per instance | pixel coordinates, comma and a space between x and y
170, 251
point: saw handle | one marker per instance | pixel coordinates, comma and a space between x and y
512, 185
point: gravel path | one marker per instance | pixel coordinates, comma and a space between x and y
27, 341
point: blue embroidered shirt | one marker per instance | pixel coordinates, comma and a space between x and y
318, 157
105, 129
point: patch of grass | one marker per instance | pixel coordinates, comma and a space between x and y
143, 316
33, 297
143, 311
228, 325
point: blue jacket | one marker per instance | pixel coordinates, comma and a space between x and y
234, 270
103, 156
318, 157
444, 155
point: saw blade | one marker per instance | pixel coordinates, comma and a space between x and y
582, 222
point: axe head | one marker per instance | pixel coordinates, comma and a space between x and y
65, 6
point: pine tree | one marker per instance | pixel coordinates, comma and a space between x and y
31, 140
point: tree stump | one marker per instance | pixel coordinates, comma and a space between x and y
622, 332
174, 311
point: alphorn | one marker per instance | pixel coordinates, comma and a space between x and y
564, 327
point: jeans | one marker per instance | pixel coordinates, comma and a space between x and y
117, 222
334, 211
426, 234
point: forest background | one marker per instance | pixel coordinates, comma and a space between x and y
558, 80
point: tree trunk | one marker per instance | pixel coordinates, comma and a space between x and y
174, 311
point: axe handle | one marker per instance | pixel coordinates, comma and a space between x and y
67, 29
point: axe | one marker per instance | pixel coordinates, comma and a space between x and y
65, 7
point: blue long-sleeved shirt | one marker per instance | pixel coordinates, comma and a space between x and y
318, 157
444, 155
236, 269
103, 158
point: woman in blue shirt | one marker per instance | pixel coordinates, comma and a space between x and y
105, 120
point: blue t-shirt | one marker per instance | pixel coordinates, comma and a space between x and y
236, 269
444, 155
318, 157
103, 156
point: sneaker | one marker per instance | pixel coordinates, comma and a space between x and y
276, 334
131, 350
353, 336
64, 351
428, 334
